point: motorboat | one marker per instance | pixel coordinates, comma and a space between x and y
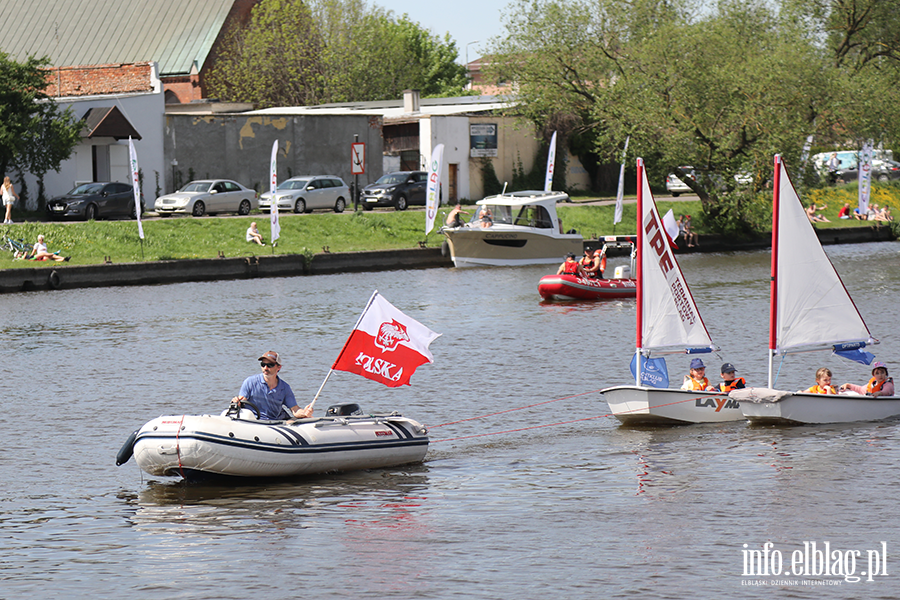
237, 444
574, 287
518, 228
809, 309
668, 322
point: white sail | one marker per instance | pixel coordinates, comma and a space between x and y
669, 316
812, 305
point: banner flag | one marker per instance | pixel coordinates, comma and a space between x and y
433, 188
273, 183
654, 372
136, 184
671, 227
386, 345
551, 163
620, 194
865, 176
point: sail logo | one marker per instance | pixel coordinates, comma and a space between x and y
390, 335
660, 246
379, 367
814, 560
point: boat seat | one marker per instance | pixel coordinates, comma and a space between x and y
343, 410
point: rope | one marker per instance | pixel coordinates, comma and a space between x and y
178, 447
466, 437
514, 409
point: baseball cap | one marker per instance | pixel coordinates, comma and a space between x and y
728, 368
271, 355
697, 364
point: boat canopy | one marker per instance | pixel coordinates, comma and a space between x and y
525, 209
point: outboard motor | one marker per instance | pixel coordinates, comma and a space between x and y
343, 410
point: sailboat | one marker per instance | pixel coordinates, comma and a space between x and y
809, 309
668, 322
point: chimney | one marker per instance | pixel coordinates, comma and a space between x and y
410, 101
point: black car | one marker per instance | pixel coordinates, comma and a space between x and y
95, 200
398, 189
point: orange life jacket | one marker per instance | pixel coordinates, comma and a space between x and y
817, 389
699, 386
735, 384
874, 386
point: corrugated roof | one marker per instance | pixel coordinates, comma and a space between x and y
174, 33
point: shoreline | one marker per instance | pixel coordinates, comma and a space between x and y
50, 277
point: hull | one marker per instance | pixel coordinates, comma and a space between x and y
571, 287
509, 246
196, 447
764, 406
634, 405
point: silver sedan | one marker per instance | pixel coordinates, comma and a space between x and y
208, 196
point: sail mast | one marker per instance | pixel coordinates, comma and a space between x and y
639, 269
773, 293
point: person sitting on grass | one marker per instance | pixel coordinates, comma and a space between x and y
884, 214
823, 383
812, 213
253, 234
845, 211
39, 252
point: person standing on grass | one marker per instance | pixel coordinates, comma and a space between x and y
8, 192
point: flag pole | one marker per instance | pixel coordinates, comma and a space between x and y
341, 353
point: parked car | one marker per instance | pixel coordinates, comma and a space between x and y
95, 200
398, 189
308, 192
207, 196
882, 170
676, 186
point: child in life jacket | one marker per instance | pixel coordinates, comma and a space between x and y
730, 382
823, 383
697, 380
879, 385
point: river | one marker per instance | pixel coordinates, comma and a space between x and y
581, 509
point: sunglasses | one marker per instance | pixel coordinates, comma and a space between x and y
266, 365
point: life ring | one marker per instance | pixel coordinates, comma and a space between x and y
53, 279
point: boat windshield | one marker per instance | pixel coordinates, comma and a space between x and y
496, 214
534, 216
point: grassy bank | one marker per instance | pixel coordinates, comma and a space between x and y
185, 238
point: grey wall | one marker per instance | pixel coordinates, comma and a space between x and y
239, 147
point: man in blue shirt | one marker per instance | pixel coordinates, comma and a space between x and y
268, 392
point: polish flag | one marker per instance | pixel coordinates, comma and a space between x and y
386, 345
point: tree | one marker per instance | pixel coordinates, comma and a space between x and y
721, 90
35, 135
300, 54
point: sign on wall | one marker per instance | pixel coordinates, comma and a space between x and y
482, 139
358, 158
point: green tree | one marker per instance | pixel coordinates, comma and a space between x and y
35, 135
294, 53
722, 90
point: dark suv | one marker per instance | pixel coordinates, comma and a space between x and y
398, 189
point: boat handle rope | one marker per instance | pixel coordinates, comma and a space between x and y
476, 435
509, 410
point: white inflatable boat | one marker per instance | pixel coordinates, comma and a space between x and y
204, 446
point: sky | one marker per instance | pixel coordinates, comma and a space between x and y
465, 20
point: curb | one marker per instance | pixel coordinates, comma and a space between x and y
214, 269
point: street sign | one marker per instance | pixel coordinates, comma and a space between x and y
358, 158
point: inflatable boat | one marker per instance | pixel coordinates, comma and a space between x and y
572, 287
236, 444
